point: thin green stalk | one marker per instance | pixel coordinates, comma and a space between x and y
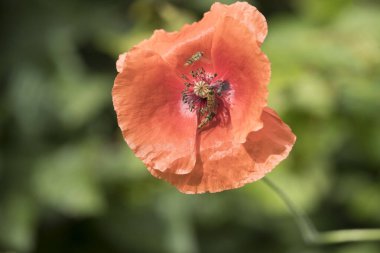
310, 234
349, 235
308, 231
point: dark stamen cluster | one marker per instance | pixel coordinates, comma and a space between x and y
202, 94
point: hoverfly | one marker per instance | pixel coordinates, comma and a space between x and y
211, 106
211, 101
195, 57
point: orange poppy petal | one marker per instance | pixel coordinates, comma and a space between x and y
151, 115
164, 42
248, 15
120, 62
233, 165
177, 47
272, 144
238, 59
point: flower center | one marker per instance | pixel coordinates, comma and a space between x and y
201, 89
204, 94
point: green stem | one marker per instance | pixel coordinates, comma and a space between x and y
349, 235
308, 231
310, 234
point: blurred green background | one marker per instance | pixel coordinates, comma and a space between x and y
69, 183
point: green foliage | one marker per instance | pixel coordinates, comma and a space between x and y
69, 183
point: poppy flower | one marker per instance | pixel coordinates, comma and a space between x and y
192, 104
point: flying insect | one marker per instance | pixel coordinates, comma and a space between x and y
195, 57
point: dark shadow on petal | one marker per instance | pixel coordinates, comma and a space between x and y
273, 140
195, 177
187, 183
